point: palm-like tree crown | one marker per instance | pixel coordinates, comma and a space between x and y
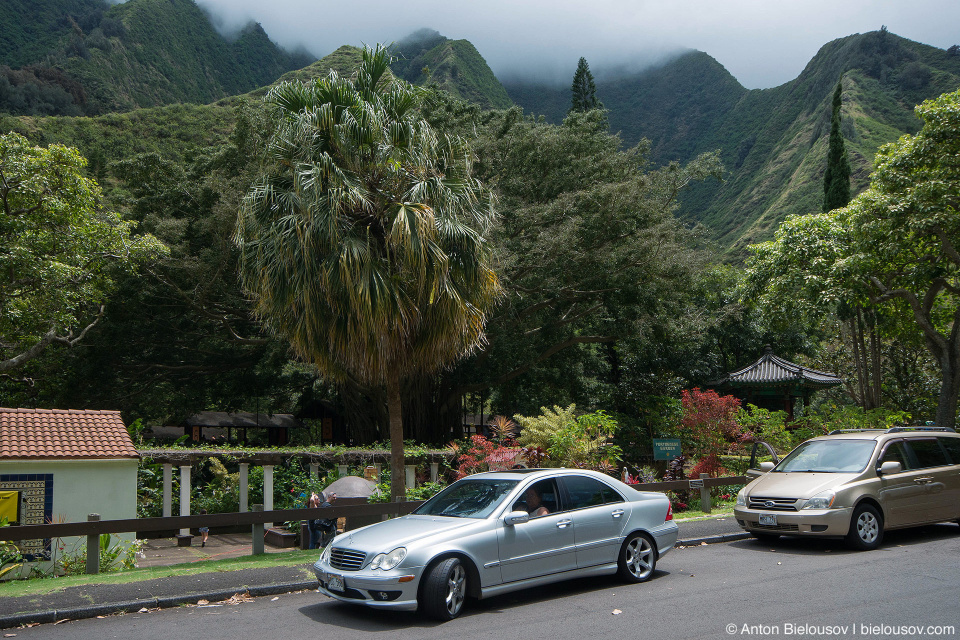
364, 244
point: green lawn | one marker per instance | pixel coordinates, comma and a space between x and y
35, 586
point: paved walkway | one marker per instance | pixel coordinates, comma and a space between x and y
164, 551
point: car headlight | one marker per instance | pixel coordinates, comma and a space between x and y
325, 556
823, 500
387, 561
742, 497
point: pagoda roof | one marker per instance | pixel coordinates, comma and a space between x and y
771, 370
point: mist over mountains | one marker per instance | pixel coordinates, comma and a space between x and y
88, 57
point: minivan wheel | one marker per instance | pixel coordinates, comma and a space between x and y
866, 528
638, 558
445, 590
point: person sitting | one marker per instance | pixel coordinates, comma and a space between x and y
534, 503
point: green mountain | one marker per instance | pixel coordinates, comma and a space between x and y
88, 57
455, 65
773, 141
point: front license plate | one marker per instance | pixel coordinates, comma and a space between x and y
768, 518
335, 583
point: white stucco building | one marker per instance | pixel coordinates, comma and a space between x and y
61, 465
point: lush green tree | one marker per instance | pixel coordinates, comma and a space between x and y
591, 255
584, 89
836, 177
364, 244
895, 246
61, 255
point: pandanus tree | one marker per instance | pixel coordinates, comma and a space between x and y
364, 243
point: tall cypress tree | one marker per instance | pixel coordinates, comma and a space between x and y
584, 89
836, 179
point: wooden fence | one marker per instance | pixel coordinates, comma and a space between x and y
346, 508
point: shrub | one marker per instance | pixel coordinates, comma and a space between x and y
708, 425
538, 431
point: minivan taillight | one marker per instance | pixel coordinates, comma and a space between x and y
669, 512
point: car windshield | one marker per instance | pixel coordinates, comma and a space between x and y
467, 499
828, 456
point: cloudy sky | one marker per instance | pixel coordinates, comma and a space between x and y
763, 43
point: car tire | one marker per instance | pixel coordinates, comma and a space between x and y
866, 528
638, 558
766, 538
444, 590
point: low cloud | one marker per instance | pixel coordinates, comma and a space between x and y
762, 43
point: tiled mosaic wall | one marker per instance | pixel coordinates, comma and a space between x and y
36, 495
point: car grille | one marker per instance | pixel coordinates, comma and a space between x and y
346, 559
774, 527
778, 504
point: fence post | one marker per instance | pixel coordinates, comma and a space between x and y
704, 494
93, 547
257, 532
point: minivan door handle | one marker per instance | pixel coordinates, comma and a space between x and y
563, 524
617, 513
923, 480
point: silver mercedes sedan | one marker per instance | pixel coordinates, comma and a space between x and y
496, 532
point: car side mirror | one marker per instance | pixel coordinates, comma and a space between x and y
890, 466
766, 466
516, 517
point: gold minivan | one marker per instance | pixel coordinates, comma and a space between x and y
856, 484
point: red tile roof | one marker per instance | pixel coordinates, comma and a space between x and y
37, 434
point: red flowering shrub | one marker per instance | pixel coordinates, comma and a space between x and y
709, 424
484, 455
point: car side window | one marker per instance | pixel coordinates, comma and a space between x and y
952, 445
928, 453
544, 494
587, 492
895, 453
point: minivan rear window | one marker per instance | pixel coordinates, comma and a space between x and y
928, 453
952, 445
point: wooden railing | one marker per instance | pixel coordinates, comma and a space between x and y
256, 519
345, 508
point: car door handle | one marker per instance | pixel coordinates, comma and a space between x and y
617, 513
563, 524
923, 480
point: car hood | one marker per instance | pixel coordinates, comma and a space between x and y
797, 484
401, 532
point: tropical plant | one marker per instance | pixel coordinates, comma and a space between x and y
10, 557
585, 443
115, 554
538, 431
503, 429
364, 244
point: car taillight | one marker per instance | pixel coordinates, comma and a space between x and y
669, 512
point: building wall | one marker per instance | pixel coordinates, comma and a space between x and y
78, 488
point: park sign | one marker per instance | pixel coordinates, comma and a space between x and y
666, 448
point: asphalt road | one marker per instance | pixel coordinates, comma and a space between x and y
793, 589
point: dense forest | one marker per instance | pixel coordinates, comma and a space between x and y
619, 241
90, 57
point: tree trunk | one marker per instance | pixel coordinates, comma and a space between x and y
949, 390
397, 460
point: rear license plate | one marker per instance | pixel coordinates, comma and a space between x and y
336, 583
768, 518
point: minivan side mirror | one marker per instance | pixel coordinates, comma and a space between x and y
766, 466
890, 466
516, 517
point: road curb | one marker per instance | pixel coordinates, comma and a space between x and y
726, 537
163, 602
